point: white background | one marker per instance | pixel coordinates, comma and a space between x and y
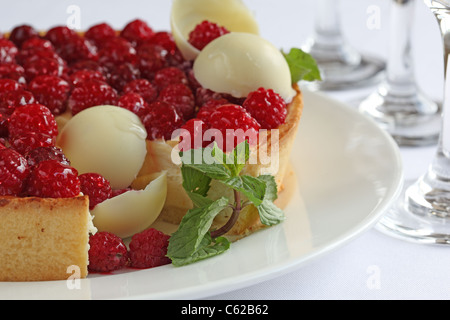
373, 266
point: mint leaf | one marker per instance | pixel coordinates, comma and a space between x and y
269, 213
203, 160
302, 66
195, 225
207, 250
195, 181
253, 188
271, 187
234, 161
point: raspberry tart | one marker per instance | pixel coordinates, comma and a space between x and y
90, 128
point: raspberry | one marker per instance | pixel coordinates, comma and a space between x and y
196, 129
32, 54
151, 58
7, 85
29, 141
100, 33
32, 118
10, 100
169, 75
161, 120
12, 71
91, 93
228, 119
8, 51
204, 33
96, 187
181, 97
22, 33
77, 48
60, 35
87, 65
165, 40
137, 31
267, 107
52, 179
13, 171
210, 106
148, 249
144, 88
203, 95
107, 252
120, 75
35, 156
44, 66
37, 44
80, 76
118, 192
116, 51
50, 91
135, 103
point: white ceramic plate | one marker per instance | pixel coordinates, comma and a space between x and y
348, 172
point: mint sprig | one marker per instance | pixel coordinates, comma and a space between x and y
302, 66
194, 240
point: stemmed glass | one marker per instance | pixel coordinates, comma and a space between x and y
423, 213
398, 105
342, 67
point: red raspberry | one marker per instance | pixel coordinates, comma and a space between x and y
181, 97
13, 171
22, 33
151, 58
144, 88
32, 54
45, 66
60, 35
91, 93
118, 192
267, 107
37, 44
7, 85
77, 48
209, 107
203, 95
100, 33
80, 76
38, 155
195, 128
8, 51
10, 100
51, 91
35, 118
116, 51
52, 179
169, 75
228, 119
148, 249
204, 33
107, 252
120, 75
137, 31
135, 103
29, 141
12, 71
96, 187
165, 40
87, 65
161, 120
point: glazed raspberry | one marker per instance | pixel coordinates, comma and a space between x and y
169, 75
165, 40
32, 54
91, 93
52, 179
29, 141
35, 118
80, 76
137, 31
107, 252
13, 171
203, 95
116, 51
204, 33
181, 97
7, 85
192, 138
8, 51
87, 65
12, 71
59, 35
77, 48
100, 33
151, 58
37, 44
38, 155
10, 100
50, 91
22, 33
235, 125
135, 103
209, 107
143, 87
96, 187
120, 75
267, 107
161, 120
45, 66
148, 249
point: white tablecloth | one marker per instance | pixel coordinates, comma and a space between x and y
372, 266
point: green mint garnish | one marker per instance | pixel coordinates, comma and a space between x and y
194, 241
302, 66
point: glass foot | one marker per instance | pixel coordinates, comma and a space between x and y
412, 120
420, 216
